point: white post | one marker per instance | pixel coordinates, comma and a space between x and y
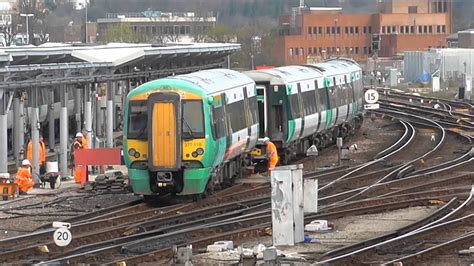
52, 141
88, 114
27, 32
63, 132
35, 130
110, 116
16, 126
3, 135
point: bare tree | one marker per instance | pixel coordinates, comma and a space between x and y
10, 29
170, 32
39, 11
201, 24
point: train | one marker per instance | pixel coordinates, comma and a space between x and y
194, 133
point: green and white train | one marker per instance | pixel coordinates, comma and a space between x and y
190, 134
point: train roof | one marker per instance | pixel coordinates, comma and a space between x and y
284, 74
337, 66
213, 81
288, 74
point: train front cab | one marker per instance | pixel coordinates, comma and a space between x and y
166, 144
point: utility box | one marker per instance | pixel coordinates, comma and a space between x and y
287, 205
393, 77
435, 84
310, 195
468, 91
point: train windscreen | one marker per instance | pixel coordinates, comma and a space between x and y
193, 120
137, 121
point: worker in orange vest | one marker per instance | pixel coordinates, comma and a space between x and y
42, 154
272, 154
23, 177
80, 142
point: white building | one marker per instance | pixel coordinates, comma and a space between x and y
157, 26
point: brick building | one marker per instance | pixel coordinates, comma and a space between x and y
404, 25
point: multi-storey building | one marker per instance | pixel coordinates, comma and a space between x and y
404, 25
7, 10
160, 26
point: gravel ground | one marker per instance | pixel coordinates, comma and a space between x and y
44, 206
375, 135
345, 231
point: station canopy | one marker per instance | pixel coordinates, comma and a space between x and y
58, 63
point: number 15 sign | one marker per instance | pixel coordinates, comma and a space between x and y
371, 97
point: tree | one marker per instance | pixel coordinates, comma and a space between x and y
10, 30
39, 11
222, 34
121, 33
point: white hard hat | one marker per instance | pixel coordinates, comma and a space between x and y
79, 135
25, 162
266, 139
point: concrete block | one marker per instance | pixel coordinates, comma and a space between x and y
258, 249
471, 249
4, 175
317, 225
184, 254
220, 246
270, 254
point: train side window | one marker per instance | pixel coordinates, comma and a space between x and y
323, 98
253, 110
236, 116
333, 94
350, 92
295, 105
218, 122
309, 101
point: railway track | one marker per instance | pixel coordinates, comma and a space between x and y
391, 180
387, 248
102, 229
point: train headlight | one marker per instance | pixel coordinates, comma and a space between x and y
132, 152
194, 154
137, 155
200, 151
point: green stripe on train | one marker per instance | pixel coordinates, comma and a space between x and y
328, 118
291, 130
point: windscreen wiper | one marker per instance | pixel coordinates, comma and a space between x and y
191, 133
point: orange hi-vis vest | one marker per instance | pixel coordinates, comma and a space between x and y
272, 154
42, 152
23, 179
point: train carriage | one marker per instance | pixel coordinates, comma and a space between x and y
304, 105
188, 133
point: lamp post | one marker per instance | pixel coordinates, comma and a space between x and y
85, 7
27, 30
335, 37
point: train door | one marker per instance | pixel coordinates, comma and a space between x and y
262, 101
163, 131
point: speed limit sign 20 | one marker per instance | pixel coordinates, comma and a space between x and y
371, 96
62, 237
